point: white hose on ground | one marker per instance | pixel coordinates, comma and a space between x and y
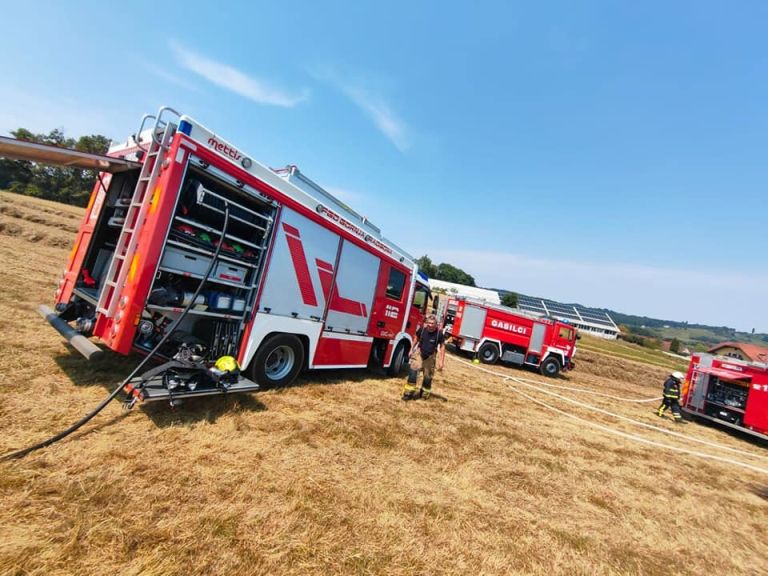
506, 378
640, 438
587, 390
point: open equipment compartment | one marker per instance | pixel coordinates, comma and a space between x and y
225, 303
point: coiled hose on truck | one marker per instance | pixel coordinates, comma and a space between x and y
63, 434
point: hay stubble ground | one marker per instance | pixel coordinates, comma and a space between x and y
336, 475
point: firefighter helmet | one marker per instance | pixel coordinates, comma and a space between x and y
678, 376
226, 364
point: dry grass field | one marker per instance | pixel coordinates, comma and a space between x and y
335, 475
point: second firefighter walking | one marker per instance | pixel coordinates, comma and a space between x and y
671, 398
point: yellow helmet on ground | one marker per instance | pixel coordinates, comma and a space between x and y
227, 364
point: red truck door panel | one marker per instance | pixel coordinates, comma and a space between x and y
389, 305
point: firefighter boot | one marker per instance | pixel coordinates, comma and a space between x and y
426, 388
410, 390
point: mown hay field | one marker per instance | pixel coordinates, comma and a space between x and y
335, 475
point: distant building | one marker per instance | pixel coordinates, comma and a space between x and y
453, 289
590, 321
741, 351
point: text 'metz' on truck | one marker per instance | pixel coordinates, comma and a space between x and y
728, 391
300, 280
494, 332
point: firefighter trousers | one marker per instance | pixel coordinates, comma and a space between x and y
673, 404
411, 390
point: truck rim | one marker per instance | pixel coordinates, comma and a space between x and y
279, 363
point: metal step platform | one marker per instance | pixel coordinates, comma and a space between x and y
154, 389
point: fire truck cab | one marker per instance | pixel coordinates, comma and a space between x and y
494, 332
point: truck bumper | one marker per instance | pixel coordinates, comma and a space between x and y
72, 336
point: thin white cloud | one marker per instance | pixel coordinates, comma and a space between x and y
234, 80
372, 104
168, 77
715, 297
379, 111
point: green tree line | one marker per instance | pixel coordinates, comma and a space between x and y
67, 185
444, 271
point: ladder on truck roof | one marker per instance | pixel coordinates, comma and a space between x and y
125, 250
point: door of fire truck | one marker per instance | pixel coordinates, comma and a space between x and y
537, 341
390, 301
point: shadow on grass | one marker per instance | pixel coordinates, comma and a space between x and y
107, 372
761, 491
201, 409
738, 434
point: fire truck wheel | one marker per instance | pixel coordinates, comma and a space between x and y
488, 353
277, 362
398, 360
550, 367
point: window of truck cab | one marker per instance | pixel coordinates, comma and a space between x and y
420, 298
566, 333
395, 284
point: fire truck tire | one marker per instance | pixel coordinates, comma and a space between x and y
488, 353
398, 360
550, 367
278, 361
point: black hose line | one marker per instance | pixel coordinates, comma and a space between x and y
24, 451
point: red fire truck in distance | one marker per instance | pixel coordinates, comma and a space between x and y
728, 391
495, 332
300, 280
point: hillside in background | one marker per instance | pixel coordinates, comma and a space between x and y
697, 336
685, 332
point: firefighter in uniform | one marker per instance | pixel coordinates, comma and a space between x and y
671, 398
430, 348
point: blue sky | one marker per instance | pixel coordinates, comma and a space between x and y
610, 153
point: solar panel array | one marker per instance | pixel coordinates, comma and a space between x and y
570, 312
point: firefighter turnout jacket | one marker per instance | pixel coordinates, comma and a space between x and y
672, 388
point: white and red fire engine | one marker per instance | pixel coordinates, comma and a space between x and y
495, 332
728, 391
300, 280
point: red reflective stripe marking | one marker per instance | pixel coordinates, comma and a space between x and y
291, 230
300, 265
325, 271
324, 265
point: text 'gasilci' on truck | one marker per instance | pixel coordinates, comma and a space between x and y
260, 265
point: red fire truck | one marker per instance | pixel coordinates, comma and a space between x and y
298, 279
495, 332
728, 391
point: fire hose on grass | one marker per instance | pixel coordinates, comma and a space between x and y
85, 419
506, 379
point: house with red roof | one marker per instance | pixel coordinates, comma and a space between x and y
742, 351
